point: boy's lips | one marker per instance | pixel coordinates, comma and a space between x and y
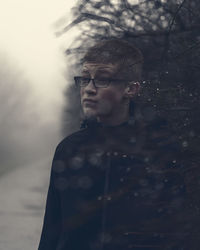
87, 100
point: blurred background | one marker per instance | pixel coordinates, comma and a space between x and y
33, 77
41, 46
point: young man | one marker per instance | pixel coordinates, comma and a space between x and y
116, 184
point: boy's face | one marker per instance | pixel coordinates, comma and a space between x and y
102, 102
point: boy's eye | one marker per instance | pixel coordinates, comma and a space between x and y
85, 79
86, 76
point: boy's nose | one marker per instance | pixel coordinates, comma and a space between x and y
90, 87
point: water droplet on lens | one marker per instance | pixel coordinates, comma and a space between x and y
76, 162
143, 182
132, 140
105, 238
191, 134
94, 159
185, 144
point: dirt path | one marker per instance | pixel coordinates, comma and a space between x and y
22, 201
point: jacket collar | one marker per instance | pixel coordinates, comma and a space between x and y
93, 123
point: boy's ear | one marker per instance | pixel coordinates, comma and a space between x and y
132, 89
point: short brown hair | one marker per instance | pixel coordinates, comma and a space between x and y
117, 51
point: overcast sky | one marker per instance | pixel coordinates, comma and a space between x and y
32, 69
27, 36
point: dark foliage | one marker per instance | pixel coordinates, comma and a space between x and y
168, 34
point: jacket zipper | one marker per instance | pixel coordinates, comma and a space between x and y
106, 187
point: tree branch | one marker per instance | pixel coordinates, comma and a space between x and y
162, 33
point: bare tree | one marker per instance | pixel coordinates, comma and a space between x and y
19, 130
168, 33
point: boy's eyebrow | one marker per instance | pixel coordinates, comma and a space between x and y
85, 71
106, 70
99, 71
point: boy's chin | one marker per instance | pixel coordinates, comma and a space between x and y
90, 114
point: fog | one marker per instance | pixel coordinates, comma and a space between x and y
26, 133
33, 73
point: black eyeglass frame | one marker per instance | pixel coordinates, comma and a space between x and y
78, 79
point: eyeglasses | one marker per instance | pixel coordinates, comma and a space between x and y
98, 82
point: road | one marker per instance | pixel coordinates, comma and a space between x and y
22, 201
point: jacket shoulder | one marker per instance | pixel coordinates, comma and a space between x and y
73, 140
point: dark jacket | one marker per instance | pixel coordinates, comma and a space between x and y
116, 188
